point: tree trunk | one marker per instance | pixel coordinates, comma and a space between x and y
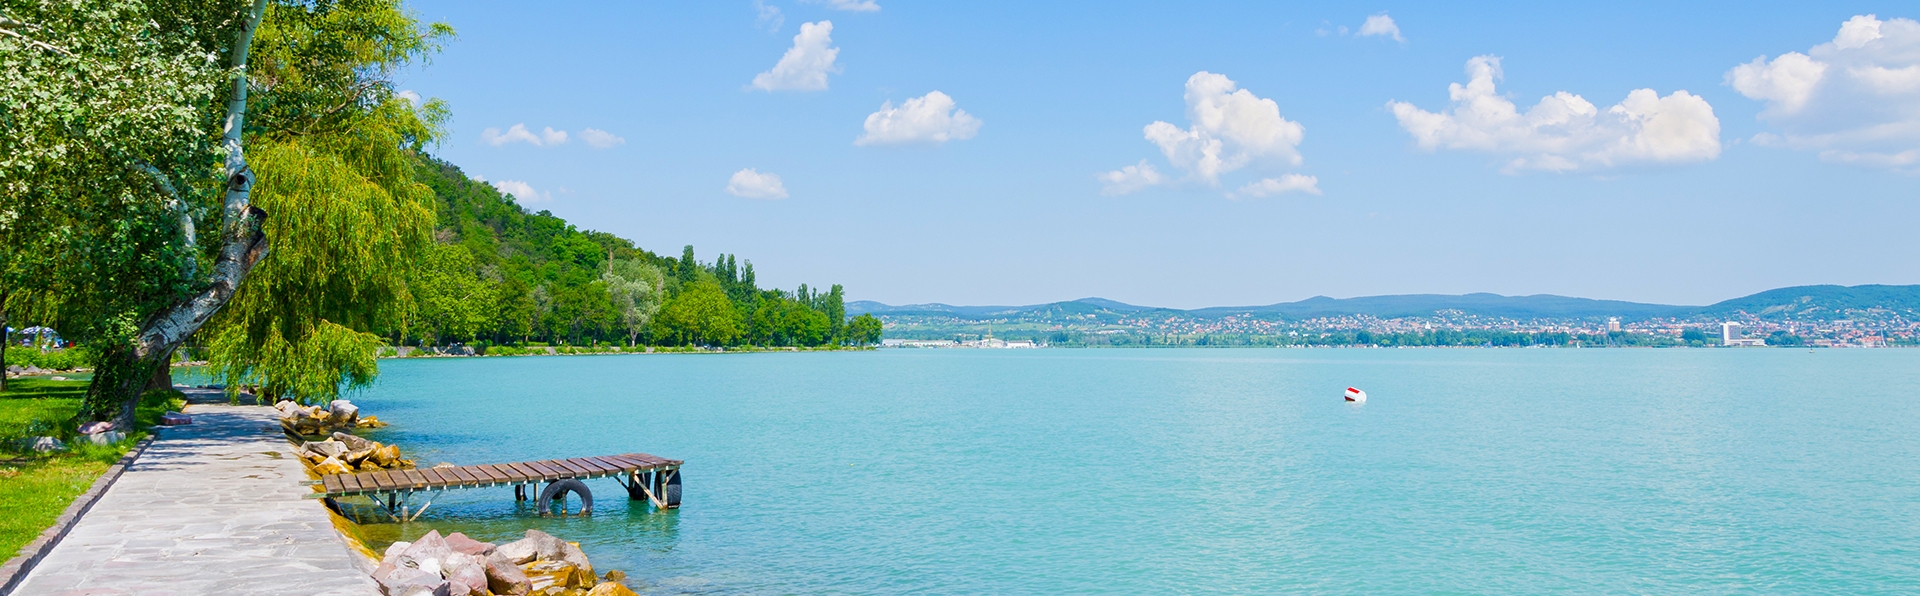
125, 369
162, 375
5, 339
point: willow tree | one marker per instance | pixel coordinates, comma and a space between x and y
133, 125
336, 151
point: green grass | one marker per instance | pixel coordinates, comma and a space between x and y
35, 488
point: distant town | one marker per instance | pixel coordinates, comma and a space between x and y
1818, 316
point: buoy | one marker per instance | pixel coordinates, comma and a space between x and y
1356, 396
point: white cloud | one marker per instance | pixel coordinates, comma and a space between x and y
805, 66
409, 95
1130, 179
1564, 132
931, 118
768, 16
518, 133
1855, 99
1382, 25
600, 139
521, 191
753, 184
1283, 184
1230, 129
849, 5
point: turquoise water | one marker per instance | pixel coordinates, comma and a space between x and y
1239, 470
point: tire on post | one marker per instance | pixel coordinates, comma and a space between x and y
559, 489
672, 492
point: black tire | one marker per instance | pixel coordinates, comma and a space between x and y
559, 489
672, 491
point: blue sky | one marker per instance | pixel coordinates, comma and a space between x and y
1792, 170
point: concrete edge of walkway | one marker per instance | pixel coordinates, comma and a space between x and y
17, 568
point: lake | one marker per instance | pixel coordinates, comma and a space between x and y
1203, 470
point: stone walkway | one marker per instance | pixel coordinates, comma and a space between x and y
211, 508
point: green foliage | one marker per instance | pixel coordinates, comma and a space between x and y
701, 315
333, 152
637, 290
62, 359
563, 286
864, 330
454, 302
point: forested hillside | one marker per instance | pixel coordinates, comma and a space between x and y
499, 274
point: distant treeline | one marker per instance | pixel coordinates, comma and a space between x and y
498, 274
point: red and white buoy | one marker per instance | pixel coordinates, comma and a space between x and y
1356, 396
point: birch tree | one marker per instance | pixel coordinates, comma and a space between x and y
130, 130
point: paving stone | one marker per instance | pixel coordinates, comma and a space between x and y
206, 511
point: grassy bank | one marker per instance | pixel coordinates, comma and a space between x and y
36, 487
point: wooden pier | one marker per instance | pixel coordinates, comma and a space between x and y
654, 478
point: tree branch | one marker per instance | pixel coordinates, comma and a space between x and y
190, 263
243, 242
7, 27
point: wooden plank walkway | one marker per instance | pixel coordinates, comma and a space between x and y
386, 482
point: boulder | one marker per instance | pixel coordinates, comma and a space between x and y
386, 455
353, 442
610, 589
331, 465
369, 422
14, 369
46, 444
406, 581
327, 448
543, 575
95, 427
570, 552
505, 578
390, 560
343, 411
106, 438
175, 419
429, 553
616, 576
518, 552
468, 573
460, 543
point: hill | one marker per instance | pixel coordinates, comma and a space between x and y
1827, 302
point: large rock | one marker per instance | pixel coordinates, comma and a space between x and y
343, 412
47, 444
95, 427
505, 578
354, 443
386, 455
460, 543
106, 438
390, 560
429, 553
467, 572
407, 581
331, 465
518, 552
611, 589
543, 575
325, 449
570, 552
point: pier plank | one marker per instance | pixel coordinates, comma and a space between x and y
388, 481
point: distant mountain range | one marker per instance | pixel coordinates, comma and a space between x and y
1826, 302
